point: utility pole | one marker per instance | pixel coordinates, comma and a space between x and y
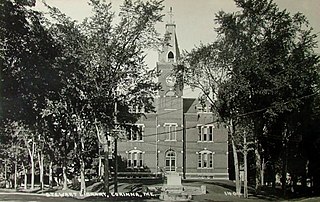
157, 156
184, 147
115, 166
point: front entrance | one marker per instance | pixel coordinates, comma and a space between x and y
170, 161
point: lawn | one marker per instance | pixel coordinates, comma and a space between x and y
216, 191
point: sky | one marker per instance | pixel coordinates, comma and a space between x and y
194, 19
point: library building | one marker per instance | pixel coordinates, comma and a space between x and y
182, 136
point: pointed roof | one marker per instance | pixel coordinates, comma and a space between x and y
170, 50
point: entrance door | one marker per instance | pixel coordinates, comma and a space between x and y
170, 161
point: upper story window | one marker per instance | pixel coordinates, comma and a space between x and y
205, 133
171, 131
136, 109
204, 109
135, 159
136, 133
205, 159
170, 57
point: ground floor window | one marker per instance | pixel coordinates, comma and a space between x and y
205, 159
135, 159
170, 160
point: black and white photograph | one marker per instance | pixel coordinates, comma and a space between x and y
159, 100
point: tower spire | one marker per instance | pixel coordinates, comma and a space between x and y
170, 15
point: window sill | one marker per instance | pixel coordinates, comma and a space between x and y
210, 141
205, 168
135, 141
137, 167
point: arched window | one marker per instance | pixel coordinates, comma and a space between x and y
170, 57
135, 159
170, 160
205, 159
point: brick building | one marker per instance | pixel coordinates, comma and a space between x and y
181, 136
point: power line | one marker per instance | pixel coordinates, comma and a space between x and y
240, 115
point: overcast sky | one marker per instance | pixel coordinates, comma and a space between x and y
194, 18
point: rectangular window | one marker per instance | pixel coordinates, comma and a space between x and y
205, 159
140, 132
135, 159
136, 133
199, 133
200, 109
173, 162
129, 131
171, 131
204, 109
167, 162
140, 160
136, 109
210, 160
210, 129
205, 133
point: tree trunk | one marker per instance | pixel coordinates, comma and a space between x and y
284, 170
41, 169
245, 153
82, 174
235, 158
236, 168
262, 172
64, 167
100, 167
83, 183
50, 175
25, 176
32, 172
65, 185
258, 167
103, 140
31, 154
106, 169
5, 173
273, 176
15, 173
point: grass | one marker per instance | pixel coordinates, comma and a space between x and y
216, 191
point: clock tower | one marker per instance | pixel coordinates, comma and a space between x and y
168, 58
169, 116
